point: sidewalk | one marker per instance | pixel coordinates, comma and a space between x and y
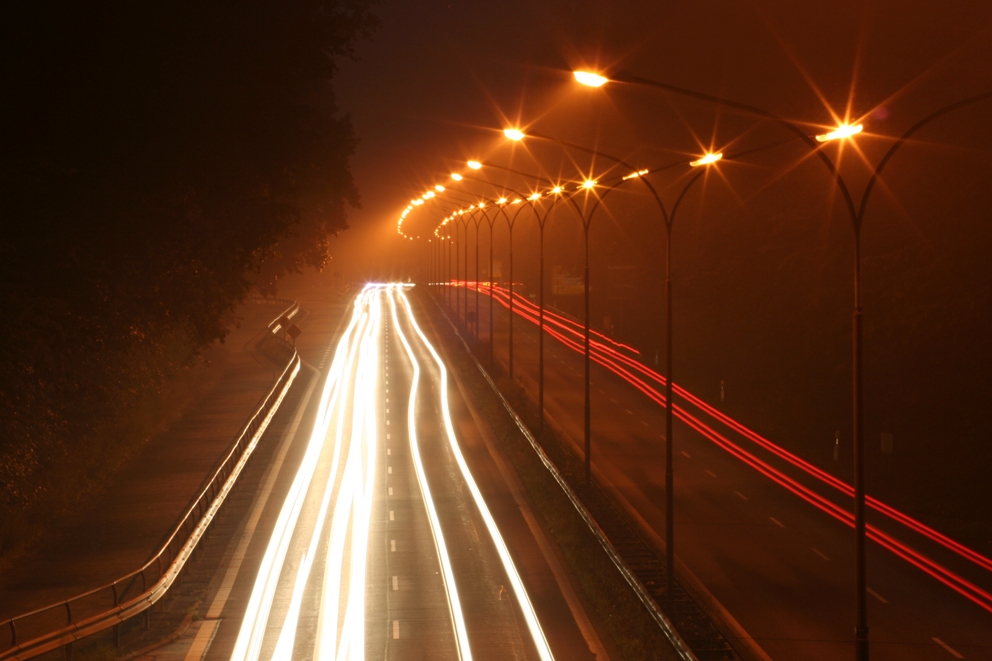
124, 525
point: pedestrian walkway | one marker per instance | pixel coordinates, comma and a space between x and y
126, 523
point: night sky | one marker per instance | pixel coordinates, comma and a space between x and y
763, 250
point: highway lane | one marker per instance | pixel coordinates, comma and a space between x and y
380, 542
780, 566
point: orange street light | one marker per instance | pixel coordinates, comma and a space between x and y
590, 79
475, 165
843, 131
589, 184
501, 200
707, 159
534, 196
557, 190
635, 175
514, 134
456, 176
439, 188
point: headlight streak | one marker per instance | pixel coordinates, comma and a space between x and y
249, 641
448, 574
287, 637
352, 510
611, 360
530, 616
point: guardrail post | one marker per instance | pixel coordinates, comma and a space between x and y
117, 627
68, 648
13, 633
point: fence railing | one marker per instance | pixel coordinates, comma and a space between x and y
61, 624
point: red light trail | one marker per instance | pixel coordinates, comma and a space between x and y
640, 376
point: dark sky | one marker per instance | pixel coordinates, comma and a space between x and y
438, 73
763, 250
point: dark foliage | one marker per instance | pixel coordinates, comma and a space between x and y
158, 160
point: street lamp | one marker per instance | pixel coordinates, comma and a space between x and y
857, 215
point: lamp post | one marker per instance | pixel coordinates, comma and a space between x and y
845, 131
556, 190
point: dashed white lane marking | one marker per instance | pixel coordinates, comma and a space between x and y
877, 596
391, 516
396, 583
953, 652
387, 410
710, 473
387, 437
387, 401
389, 451
392, 545
777, 522
201, 643
629, 411
821, 553
686, 454
390, 491
389, 470
613, 400
645, 424
740, 495
396, 629
387, 422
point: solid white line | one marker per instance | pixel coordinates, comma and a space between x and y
231, 575
777, 522
463, 648
523, 599
202, 640
947, 647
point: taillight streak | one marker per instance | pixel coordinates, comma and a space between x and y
610, 358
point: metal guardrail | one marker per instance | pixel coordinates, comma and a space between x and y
668, 629
276, 324
108, 606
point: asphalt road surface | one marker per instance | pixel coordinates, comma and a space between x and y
782, 566
386, 527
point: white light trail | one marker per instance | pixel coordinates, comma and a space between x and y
252, 632
523, 599
448, 574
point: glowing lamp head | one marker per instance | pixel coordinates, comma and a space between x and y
590, 79
589, 184
501, 200
482, 205
707, 159
456, 176
534, 196
514, 134
557, 190
841, 132
516, 201
475, 165
439, 188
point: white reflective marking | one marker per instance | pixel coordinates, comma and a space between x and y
953, 652
777, 522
